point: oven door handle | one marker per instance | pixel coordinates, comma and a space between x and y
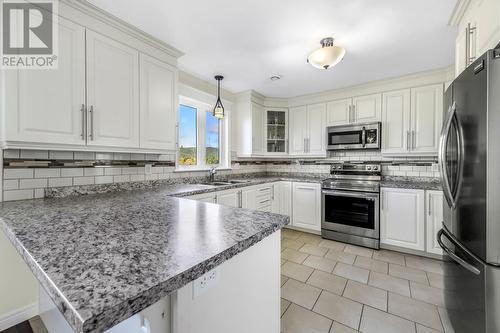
369, 196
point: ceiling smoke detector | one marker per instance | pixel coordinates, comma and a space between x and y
275, 77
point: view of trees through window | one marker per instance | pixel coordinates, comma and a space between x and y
190, 131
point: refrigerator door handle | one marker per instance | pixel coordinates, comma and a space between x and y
452, 255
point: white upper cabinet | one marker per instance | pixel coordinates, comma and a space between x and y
257, 129
316, 129
402, 220
338, 112
158, 109
412, 120
367, 108
276, 131
308, 130
426, 118
396, 121
47, 106
298, 130
112, 92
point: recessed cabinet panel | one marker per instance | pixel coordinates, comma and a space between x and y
338, 112
228, 198
158, 104
434, 218
316, 129
112, 92
367, 108
45, 106
306, 206
396, 122
298, 130
257, 129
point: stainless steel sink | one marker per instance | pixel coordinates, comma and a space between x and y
217, 183
240, 181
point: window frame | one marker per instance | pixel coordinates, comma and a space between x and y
201, 109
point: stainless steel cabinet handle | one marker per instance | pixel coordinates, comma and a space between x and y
91, 112
469, 31
84, 121
452, 255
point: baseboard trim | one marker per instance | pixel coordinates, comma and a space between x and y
18, 316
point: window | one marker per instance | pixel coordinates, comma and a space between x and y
201, 137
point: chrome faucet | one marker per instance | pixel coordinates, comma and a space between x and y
213, 172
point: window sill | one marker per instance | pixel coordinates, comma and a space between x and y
200, 169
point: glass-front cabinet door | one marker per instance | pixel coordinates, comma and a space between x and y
276, 124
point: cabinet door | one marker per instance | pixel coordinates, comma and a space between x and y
276, 198
285, 198
306, 206
248, 195
158, 104
426, 118
395, 122
402, 221
209, 197
337, 112
434, 218
367, 108
46, 106
228, 198
316, 129
112, 92
276, 131
298, 130
257, 129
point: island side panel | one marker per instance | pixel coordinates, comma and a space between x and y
245, 297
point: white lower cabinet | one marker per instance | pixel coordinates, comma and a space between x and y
411, 218
205, 197
248, 197
229, 198
434, 217
282, 198
402, 220
306, 206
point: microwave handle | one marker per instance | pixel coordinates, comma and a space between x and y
363, 137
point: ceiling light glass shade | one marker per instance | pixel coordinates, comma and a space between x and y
327, 56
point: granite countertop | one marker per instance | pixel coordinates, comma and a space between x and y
104, 257
412, 183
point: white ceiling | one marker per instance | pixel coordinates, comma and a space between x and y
248, 41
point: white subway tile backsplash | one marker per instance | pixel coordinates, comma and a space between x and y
103, 179
17, 195
121, 179
137, 178
47, 173
137, 157
57, 182
154, 176
121, 156
157, 170
84, 155
83, 180
17, 173
33, 183
60, 155
71, 172
34, 154
39, 193
11, 184
103, 156
93, 171
130, 171
11, 153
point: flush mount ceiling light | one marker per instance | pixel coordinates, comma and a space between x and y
218, 108
327, 56
275, 77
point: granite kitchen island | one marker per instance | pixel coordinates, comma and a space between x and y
103, 259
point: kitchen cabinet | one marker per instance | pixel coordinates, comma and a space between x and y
257, 129
228, 198
248, 197
478, 23
402, 218
205, 197
112, 92
276, 131
412, 120
282, 198
360, 109
47, 106
434, 220
307, 130
158, 108
306, 206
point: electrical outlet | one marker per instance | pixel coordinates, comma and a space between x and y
435, 167
205, 282
148, 169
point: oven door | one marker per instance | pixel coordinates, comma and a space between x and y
350, 212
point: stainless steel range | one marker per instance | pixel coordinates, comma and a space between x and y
350, 204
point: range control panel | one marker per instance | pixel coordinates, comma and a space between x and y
348, 167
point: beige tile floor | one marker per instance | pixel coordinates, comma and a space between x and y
331, 287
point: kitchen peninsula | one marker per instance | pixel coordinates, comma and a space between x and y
103, 259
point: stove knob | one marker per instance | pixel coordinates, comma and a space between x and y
375, 168
368, 168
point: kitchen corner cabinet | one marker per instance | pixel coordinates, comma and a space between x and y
360, 109
276, 131
434, 220
402, 219
412, 120
307, 130
306, 206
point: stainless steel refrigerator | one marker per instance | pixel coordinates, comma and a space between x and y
469, 159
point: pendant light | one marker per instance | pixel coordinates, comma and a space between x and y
218, 108
327, 56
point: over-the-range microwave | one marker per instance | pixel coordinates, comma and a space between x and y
358, 136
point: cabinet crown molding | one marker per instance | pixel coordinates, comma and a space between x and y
458, 12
